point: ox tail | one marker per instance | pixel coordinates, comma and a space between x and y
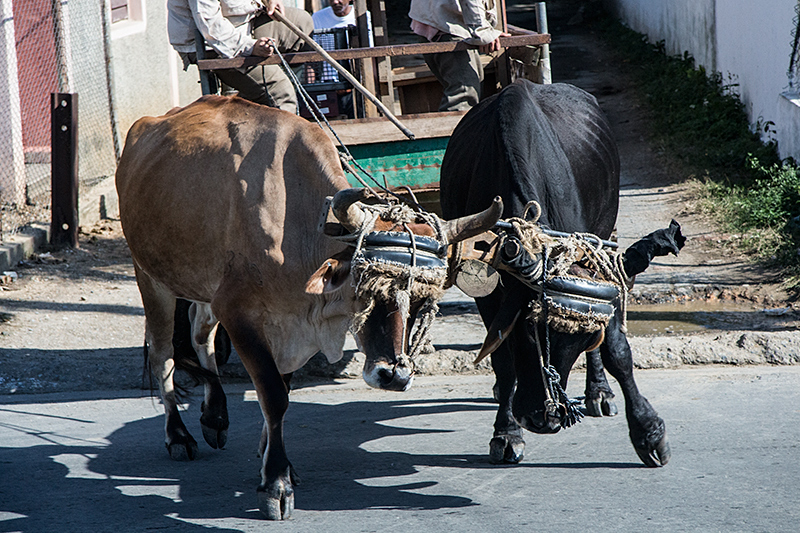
661, 242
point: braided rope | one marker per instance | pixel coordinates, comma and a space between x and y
572, 414
399, 283
560, 253
555, 395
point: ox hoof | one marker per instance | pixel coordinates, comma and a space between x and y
506, 449
215, 424
214, 437
600, 407
657, 456
276, 503
183, 451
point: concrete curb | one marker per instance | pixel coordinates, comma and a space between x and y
20, 246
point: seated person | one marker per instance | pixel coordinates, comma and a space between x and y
339, 14
241, 28
471, 21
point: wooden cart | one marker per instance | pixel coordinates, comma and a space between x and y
409, 89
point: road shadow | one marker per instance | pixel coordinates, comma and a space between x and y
70, 483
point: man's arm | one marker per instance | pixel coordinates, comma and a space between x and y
272, 5
480, 17
218, 31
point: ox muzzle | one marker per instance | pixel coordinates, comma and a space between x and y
399, 271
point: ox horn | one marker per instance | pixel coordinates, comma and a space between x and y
346, 209
463, 228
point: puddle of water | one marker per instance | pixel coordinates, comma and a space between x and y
691, 317
678, 318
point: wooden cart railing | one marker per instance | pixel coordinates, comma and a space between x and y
374, 141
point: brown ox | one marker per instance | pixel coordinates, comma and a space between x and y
219, 203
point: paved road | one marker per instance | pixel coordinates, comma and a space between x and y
415, 461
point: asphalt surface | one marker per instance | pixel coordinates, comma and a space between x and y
414, 461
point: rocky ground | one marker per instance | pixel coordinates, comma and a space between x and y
72, 319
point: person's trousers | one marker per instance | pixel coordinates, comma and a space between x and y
460, 74
269, 84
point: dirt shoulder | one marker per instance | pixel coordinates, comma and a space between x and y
73, 320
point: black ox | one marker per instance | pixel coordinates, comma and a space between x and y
551, 144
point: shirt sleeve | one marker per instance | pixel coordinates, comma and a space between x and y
238, 8
227, 39
480, 17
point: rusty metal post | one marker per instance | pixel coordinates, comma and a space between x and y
64, 169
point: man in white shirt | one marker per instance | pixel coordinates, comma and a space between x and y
471, 21
241, 28
339, 14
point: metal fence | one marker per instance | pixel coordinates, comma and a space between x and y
51, 46
794, 60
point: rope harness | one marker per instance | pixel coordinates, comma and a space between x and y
572, 300
389, 267
576, 277
576, 280
399, 268
557, 405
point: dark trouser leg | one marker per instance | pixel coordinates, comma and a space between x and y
278, 85
250, 85
460, 74
268, 84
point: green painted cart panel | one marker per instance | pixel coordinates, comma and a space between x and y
414, 163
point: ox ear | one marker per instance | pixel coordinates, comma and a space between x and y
329, 277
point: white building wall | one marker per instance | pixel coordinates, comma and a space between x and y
681, 24
748, 42
148, 77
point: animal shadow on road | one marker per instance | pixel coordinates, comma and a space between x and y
351, 456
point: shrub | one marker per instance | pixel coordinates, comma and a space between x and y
700, 119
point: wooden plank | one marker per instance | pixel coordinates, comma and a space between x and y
414, 73
516, 30
384, 64
524, 39
367, 65
411, 74
375, 130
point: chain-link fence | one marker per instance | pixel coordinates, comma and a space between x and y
794, 60
51, 46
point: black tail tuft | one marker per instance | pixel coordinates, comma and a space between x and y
661, 242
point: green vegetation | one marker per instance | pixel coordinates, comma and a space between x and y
700, 120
